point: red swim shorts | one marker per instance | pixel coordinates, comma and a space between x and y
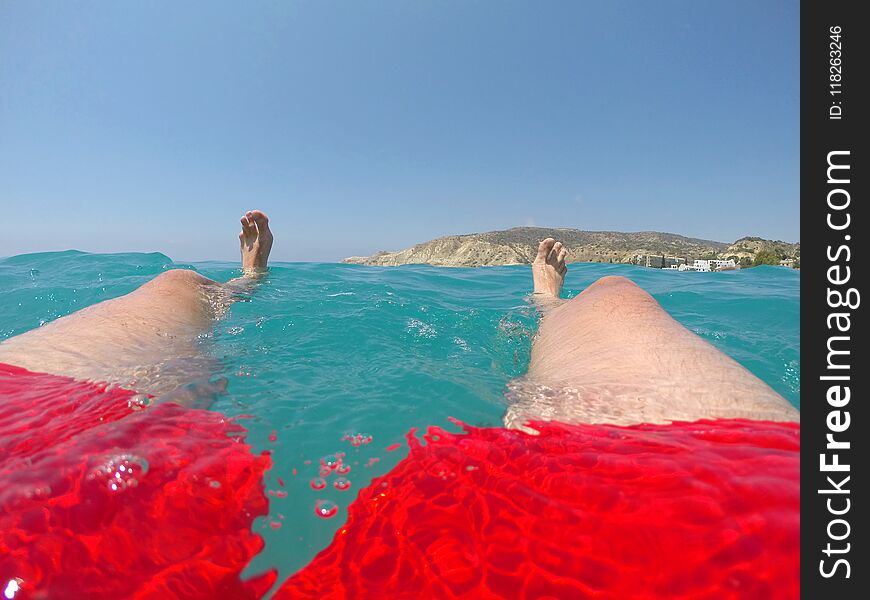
709, 509
101, 499
84, 514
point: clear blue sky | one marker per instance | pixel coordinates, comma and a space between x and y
362, 126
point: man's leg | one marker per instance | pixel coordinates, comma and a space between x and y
147, 339
613, 355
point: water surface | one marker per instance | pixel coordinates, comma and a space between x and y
322, 352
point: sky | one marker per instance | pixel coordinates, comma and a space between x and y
366, 126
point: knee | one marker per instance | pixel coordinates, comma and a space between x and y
181, 277
613, 282
178, 280
180, 294
618, 291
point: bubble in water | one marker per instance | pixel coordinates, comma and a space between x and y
325, 471
39, 492
214, 483
13, 586
138, 402
325, 509
330, 461
342, 469
357, 439
273, 437
119, 472
421, 328
318, 483
341, 484
462, 344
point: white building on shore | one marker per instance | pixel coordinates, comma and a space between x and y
657, 261
705, 266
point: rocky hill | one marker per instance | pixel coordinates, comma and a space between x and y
518, 246
750, 247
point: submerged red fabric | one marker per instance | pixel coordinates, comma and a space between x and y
709, 509
101, 500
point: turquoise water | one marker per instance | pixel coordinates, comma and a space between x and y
324, 351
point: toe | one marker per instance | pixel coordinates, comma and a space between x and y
554, 253
544, 248
563, 254
248, 227
260, 218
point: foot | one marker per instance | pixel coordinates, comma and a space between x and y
255, 240
548, 269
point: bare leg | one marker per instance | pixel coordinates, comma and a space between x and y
613, 355
148, 339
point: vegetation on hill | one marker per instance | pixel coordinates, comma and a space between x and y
767, 257
519, 246
753, 246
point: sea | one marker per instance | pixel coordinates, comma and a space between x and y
327, 358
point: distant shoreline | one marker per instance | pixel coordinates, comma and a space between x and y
518, 246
